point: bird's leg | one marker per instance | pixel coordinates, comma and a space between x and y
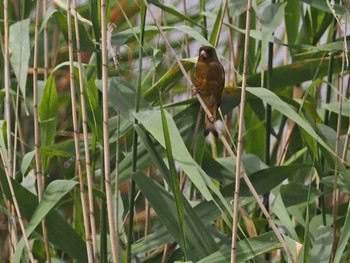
211, 119
196, 91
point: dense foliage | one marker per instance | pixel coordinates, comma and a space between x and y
109, 163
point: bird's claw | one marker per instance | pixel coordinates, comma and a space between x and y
211, 119
196, 91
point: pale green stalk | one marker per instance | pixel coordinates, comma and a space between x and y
107, 175
76, 138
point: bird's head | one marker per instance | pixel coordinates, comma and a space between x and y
206, 54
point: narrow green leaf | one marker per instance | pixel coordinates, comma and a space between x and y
48, 110
52, 196
344, 237
175, 182
86, 43
151, 120
20, 52
166, 81
26, 161
270, 19
322, 5
307, 242
297, 193
174, 11
198, 240
206, 211
3, 147
279, 209
57, 227
322, 247
297, 72
292, 19
215, 34
130, 35
272, 99
246, 249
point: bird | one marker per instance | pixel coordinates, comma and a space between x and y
209, 82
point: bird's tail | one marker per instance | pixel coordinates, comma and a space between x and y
209, 127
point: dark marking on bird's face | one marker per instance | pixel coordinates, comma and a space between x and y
207, 53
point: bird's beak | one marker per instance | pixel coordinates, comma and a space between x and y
203, 54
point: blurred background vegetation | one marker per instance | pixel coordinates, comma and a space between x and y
156, 190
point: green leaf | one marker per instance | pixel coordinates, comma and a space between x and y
86, 43
322, 247
215, 34
344, 238
272, 99
151, 120
174, 11
57, 227
3, 137
334, 107
206, 211
166, 81
292, 19
52, 195
246, 249
131, 34
322, 5
20, 52
198, 240
297, 72
175, 182
270, 19
281, 212
272, 16
26, 161
48, 109
297, 193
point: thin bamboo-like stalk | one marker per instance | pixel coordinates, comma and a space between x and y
107, 176
12, 221
225, 143
336, 192
12, 227
91, 212
76, 138
116, 183
46, 44
268, 116
15, 203
38, 164
335, 198
7, 155
135, 136
240, 145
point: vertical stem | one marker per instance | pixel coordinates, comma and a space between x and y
38, 164
89, 211
7, 108
326, 113
240, 139
134, 145
46, 45
204, 21
6, 156
335, 199
268, 125
107, 176
116, 183
76, 136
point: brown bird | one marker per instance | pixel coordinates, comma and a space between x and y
209, 81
